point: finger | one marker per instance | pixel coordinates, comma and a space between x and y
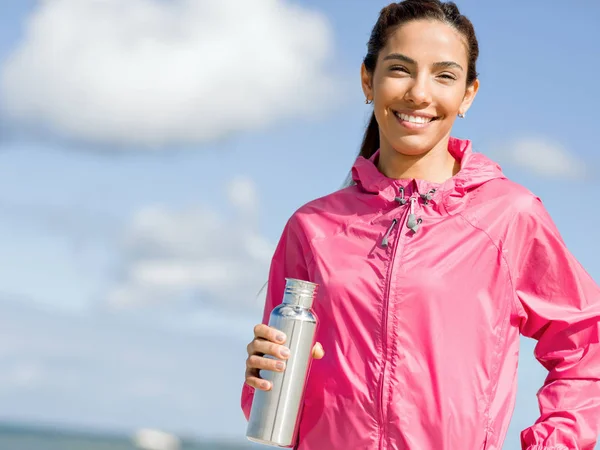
262, 347
260, 363
318, 351
256, 382
270, 334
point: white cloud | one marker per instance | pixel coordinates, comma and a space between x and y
150, 73
101, 372
242, 194
21, 375
544, 157
177, 257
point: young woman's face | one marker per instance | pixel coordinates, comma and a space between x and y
419, 86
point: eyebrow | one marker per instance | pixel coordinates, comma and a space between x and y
437, 65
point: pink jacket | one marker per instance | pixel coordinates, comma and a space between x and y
424, 290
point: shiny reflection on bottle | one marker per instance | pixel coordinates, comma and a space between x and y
275, 413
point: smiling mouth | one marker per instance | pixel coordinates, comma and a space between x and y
414, 119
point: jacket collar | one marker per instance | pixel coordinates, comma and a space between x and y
475, 170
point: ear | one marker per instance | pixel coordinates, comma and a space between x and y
367, 82
469, 97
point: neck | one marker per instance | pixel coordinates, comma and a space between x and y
436, 165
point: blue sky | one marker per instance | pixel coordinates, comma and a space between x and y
136, 231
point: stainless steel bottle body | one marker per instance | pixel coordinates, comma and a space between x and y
275, 413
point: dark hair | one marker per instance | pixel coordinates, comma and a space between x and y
393, 16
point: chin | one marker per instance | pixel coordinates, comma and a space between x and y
413, 145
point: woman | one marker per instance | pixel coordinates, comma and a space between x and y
430, 266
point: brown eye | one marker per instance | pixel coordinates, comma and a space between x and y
448, 76
399, 69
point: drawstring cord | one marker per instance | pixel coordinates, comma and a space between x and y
413, 222
384, 241
428, 196
400, 199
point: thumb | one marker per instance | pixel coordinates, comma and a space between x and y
318, 351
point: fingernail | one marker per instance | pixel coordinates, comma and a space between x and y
264, 385
280, 365
285, 352
281, 337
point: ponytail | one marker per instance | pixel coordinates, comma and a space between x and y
369, 146
370, 143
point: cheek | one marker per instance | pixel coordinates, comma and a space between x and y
452, 97
391, 89
448, 100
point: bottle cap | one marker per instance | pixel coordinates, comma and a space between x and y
299, 292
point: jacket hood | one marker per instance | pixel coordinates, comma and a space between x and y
475, 170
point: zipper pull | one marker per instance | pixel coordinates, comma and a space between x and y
413, 223
384, 241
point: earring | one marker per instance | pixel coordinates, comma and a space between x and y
368, 101
462, 115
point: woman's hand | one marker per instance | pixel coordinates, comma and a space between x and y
269, 341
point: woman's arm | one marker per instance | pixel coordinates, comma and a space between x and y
559, 306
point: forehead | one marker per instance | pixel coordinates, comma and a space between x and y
427, 41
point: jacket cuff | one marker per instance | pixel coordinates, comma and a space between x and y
247, 397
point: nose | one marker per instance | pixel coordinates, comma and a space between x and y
419, 92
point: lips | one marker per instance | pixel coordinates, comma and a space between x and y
415, 118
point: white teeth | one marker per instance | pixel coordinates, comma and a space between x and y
414, 119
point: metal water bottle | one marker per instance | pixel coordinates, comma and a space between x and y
275, 413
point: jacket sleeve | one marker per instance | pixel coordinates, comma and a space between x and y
289, 261
559, 306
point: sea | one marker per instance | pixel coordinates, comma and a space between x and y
17, 437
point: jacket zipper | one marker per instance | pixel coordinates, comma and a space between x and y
384, 345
